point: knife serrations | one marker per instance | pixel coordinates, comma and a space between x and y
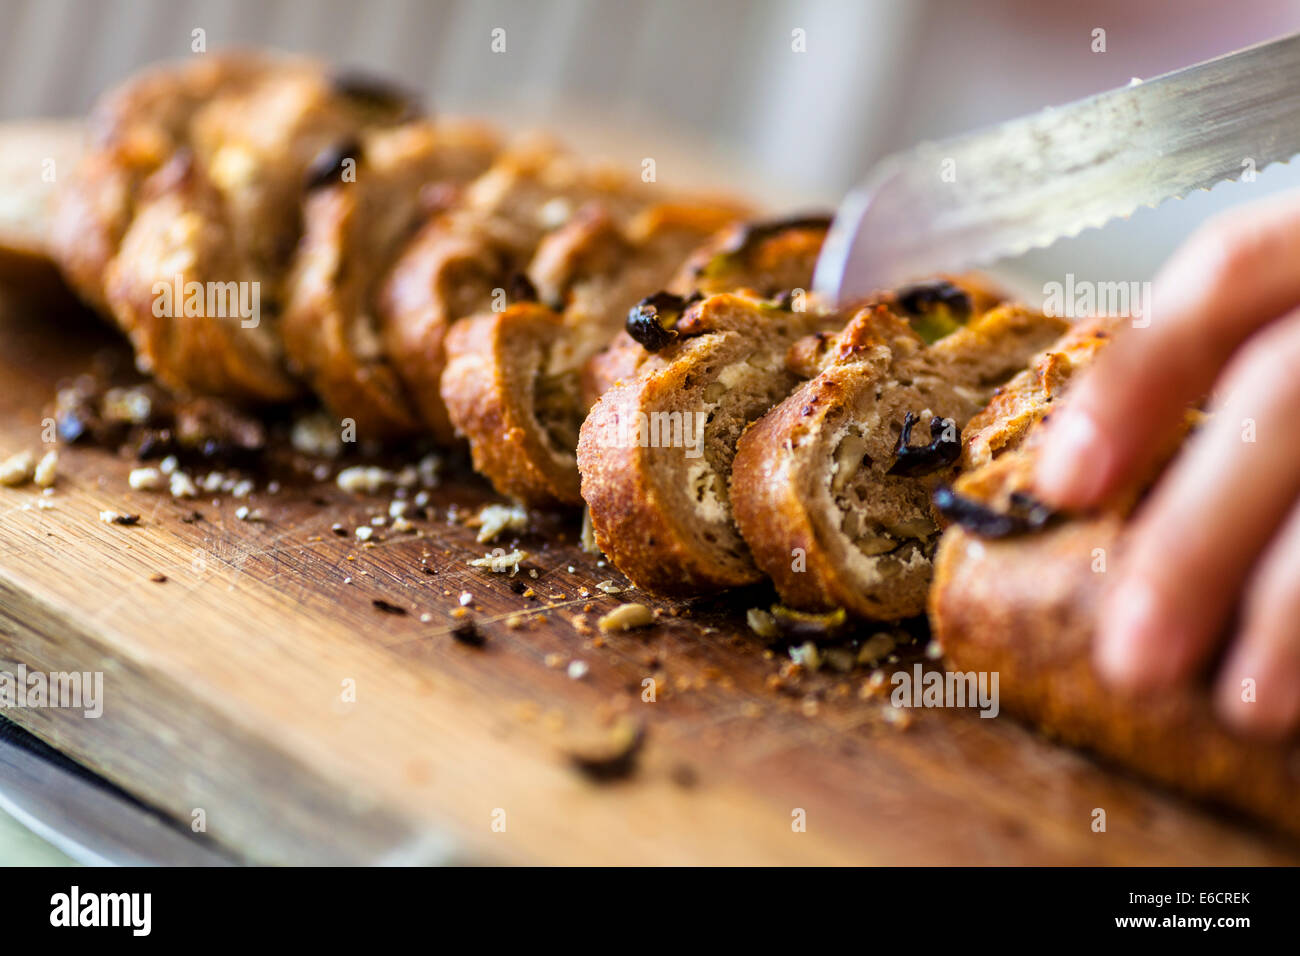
967, 201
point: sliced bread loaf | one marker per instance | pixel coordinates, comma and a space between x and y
655, 452
513, 385
831, 489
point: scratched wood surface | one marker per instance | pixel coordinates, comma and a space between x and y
223, 692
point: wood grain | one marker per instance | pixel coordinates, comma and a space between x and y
223, 691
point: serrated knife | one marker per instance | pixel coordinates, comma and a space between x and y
967, 201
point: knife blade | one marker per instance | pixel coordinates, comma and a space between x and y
89, 822
950, 205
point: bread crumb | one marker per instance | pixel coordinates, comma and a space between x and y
465, 599
578, 670
609, 587
553, 661
625, 617
401, 525
168, 464
365, 532
17, 469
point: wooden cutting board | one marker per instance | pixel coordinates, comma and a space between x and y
224, 692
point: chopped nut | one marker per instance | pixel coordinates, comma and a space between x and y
494, 519
401, 525
587, 539
875, 647
427, 469
316, 434
807, 655
113, 517
366, 479
578, 670
365, 532
499, 562
181, 486
242, 489
17, 469
609, 587
898, 716
465, 598
625, 617
46, 469
762, 623
145, 479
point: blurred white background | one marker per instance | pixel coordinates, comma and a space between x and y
712, 85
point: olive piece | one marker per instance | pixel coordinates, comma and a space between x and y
327, 168
1025, 515
752, 234
922, 297
651, 321
913, 461
520, 288
376, 93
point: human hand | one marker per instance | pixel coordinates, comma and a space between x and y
1220, 532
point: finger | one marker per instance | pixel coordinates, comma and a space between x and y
1196, 538
1258, 687
1236, 274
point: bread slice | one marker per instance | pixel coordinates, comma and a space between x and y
655, 452
513, 385
472, 257
194, 180
830, 489
355, 221
1016, 592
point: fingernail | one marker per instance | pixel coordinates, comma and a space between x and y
1071, 467
1127, 652
1254, 697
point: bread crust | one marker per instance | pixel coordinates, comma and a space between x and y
1026, 607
